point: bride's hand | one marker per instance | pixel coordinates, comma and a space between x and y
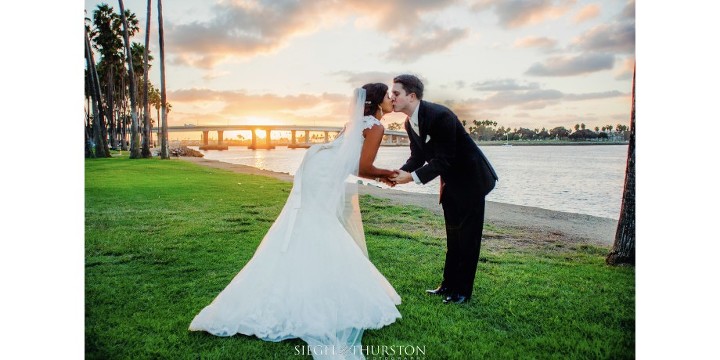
386, 181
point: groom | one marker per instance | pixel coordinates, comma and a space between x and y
440, 146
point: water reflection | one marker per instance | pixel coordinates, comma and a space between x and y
578, 179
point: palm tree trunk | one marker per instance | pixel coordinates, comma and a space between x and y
88, 123
159, 127
623, 251
111, 108
146, 103
164, 148
101, 149
134, 130
121, 114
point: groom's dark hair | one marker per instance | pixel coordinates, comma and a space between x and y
411, 84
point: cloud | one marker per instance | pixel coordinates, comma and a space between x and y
518, 13
572, 65
249, 28
242, 29
510, 95
212, 75
612, 38
456, 85
625, 70
514, 101
393, 16
616, 37
544, 43
531, 99
234, 105
590, 11
411, 47
406, 23
628, 13
594, 96
596, 48
356, 79
503, 85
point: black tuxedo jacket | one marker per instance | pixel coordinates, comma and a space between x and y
466, 174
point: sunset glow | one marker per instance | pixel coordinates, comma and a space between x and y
522, 64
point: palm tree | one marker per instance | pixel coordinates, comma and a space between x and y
107, 38
134, 131
146, 97
99, 138
104, 37
164, 148
623, 250
138, 54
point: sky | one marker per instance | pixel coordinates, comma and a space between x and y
44, 181
535, 64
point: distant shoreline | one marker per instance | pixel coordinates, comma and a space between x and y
540, 143
479, 143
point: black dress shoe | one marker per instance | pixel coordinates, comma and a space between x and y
456, 299
442, 290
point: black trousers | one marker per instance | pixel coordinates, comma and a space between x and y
464, 226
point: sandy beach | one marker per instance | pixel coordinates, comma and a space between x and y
528, 224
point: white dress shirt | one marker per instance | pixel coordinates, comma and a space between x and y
415, 125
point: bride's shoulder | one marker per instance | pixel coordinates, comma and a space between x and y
369, 121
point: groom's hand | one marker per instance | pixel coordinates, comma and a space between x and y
403, 177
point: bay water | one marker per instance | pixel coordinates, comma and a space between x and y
583, 179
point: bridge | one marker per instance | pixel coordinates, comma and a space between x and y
391, 137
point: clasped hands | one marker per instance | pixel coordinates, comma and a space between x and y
397, 177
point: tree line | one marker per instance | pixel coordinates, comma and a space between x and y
118, 93
487, 130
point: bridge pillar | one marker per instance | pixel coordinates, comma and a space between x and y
326, 136
206, 140
256, 146
307, 136
294, 144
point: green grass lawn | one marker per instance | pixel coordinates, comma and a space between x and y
163, 238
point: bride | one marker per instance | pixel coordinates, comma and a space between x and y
310, 277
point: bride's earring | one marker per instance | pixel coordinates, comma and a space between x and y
381, 112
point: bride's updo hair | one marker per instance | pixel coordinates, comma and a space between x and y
374, 96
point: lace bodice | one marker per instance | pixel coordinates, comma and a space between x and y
370, 121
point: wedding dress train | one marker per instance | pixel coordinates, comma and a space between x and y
310, 277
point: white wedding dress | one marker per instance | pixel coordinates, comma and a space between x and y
310, 277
